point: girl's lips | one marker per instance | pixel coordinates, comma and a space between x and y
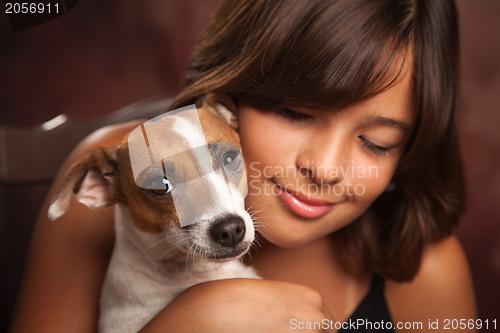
304, 207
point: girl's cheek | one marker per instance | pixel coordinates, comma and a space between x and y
371, 179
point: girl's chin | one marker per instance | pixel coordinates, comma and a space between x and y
291, 231
290, 239
284, 242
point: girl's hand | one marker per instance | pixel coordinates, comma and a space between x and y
241, 305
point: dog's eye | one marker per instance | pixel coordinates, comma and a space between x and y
231, 160
160, 185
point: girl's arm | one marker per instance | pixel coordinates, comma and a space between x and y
244, 306
442, 292
68, 258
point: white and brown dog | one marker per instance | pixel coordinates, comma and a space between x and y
167, 238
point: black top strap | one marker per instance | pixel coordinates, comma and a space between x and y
372, 314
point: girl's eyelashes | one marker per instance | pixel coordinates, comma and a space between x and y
378, 150
292, 115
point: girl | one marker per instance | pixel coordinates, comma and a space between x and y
347, 121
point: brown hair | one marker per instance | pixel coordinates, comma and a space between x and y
327, 54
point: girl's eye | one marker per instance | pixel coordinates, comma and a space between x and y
292, 115
373, 147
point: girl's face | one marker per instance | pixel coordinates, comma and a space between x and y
313, 172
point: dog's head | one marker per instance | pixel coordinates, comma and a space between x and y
180, 196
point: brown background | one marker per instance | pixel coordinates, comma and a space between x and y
103, 55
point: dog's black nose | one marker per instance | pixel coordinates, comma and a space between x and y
229, 231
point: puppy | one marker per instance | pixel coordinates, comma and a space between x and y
178, 191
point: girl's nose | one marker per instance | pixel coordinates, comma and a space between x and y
323, 160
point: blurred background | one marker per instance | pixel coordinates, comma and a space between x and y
103, 55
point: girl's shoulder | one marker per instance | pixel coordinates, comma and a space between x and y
441, 290
107, 136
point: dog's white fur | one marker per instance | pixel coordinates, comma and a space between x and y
150, 267
134, 291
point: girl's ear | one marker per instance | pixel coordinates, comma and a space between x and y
224, 106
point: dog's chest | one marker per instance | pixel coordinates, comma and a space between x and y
136, 287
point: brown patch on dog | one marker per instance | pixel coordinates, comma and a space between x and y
150, 212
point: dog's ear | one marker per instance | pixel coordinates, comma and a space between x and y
92, 179
224, 106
